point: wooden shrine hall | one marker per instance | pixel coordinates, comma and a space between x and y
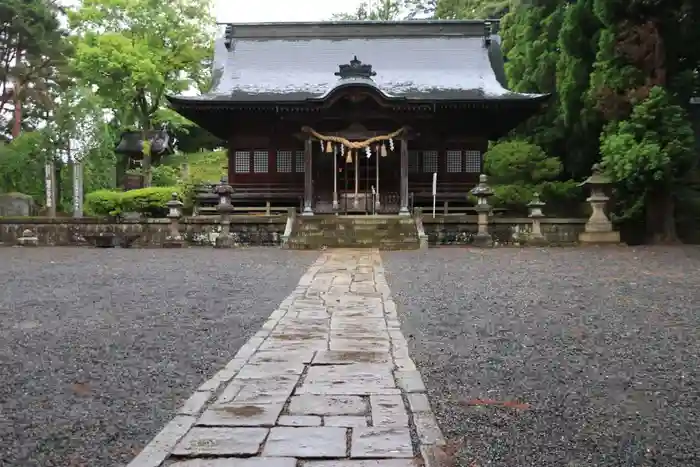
355, 117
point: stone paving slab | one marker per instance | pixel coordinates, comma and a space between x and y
221, 441
366, 463
243, 462
324, 383
305, 442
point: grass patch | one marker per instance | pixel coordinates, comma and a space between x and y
206, 166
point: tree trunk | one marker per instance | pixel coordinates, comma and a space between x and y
661, 217
17, 124
146, 166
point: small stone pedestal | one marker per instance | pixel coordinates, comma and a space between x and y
28, 239
599, 229
174, 239
224, 208
482, 191
536, 238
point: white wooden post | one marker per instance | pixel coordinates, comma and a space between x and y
50, 183
77, 188
434, 191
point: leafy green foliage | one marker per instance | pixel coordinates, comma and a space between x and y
580, 122
520, 162
195, 138
22, 166
164, 175
519, 169
103, 203
136, 51
384, 10
207, 166
204, 167
32, 51
649, 152
471, 9
150, 202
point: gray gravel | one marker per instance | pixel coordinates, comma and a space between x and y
98, 348
558, 357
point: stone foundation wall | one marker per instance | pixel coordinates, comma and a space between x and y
268, 230
197, 231
460, 230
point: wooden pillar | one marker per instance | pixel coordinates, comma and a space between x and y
356, 154
308, 179
377, 203
335, 178
230, 170
403, 210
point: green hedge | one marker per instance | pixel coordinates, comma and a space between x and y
150, 202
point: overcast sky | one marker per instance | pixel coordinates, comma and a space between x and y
246, 11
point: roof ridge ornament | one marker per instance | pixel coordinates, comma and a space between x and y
355, 69
488, 31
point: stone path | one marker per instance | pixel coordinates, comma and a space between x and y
326, 382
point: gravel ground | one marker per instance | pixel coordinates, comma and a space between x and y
100, 347
557, 357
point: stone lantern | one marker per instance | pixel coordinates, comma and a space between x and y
174, 239
225, 208
482, 192
536, 214
598, 229
28, 238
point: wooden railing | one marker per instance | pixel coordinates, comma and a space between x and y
266, 210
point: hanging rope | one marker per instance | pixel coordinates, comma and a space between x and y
352, 144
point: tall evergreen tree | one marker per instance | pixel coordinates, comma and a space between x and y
32, 48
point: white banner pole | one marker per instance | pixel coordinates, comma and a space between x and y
434, 191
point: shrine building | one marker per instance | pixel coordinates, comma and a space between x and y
356, 117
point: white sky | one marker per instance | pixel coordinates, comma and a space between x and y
255, 11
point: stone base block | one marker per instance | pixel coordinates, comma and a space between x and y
28, 241
423, 242
536, 241
173, 243
610, 237
224, 241
483, 240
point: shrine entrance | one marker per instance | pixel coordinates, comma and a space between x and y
356, 175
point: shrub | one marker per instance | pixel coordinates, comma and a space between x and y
150, 202
103, 203
164, 175
188, 190
520, 162
519, 169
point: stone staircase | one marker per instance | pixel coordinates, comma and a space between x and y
382, 232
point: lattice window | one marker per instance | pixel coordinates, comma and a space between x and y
260, 162
472, 161
284, 161
299, 162
454, 161
242, 162
413, 161
430, 161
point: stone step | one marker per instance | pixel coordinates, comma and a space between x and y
384, 232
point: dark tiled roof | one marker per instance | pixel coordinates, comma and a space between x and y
414, 60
